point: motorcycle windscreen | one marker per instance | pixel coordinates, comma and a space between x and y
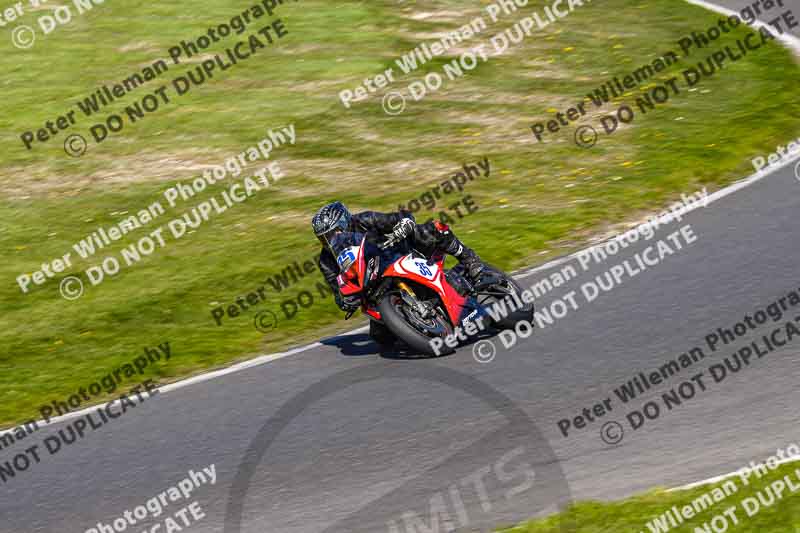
346, 247
342, 240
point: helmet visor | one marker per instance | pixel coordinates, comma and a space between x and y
327, 238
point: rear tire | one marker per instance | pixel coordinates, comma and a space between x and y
393, 319
523, 313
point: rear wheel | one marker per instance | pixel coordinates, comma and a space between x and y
415, 330
501, 295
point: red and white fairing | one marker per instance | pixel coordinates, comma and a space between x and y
429, 274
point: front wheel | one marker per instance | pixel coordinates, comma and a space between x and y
413, 329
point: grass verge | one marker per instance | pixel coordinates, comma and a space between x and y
540, 200
732, 505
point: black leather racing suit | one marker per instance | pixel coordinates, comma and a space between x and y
428, 238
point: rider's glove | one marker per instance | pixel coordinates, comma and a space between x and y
401, 230
347, 303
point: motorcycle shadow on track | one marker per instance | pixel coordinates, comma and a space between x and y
360, 345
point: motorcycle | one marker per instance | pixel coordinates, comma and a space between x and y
416, 299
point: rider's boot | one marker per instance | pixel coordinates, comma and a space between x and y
439, 236
468, 258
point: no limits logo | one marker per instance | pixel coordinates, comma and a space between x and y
510, 469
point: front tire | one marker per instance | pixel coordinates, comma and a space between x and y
391, 308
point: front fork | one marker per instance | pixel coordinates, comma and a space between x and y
408, 296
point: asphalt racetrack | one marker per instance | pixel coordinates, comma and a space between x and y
341, 438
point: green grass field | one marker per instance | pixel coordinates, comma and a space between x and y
752, 511
541, 199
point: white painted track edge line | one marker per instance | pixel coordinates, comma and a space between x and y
794, 44
790, 40
717, 479
268, 358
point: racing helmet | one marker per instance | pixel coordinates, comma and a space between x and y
330, 221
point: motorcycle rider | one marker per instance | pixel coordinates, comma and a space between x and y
428, 238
